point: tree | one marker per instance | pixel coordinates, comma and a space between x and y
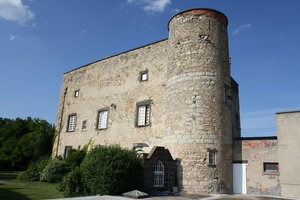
23, 141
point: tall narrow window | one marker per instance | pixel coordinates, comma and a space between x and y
212, 158
143, 114
84, 125
159, 174
72, 123
102, 119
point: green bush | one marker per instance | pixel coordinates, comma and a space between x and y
54, 171
34, 170
72, 184
75, 157
110, 170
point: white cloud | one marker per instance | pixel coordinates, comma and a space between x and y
243, 27
15, 10
12, 37
152, 5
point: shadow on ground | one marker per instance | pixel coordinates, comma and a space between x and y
11, 195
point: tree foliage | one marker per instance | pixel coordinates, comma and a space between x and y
23, 141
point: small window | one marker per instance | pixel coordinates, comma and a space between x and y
84, 125
72, 123
102, 119
67, 150
144, 76
76, 93
212, 158
143, 114
271, 167
159, 174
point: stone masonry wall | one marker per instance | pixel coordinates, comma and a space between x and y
116, 81
198, 118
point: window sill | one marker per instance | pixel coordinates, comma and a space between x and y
271, 173
213, 166
140, 126
101, 129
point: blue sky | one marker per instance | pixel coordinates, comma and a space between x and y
42, 39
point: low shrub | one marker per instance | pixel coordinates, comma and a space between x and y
110, 170
72, 184
75, 157
54, 171
34, 170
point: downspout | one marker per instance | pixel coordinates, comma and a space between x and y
60, 121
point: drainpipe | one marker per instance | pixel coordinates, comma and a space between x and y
60, 121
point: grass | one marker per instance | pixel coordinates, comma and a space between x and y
11, 188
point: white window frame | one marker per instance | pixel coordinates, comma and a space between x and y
102, 122
72, 123
143, 114
159, 174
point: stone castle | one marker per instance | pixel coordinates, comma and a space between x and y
176, 93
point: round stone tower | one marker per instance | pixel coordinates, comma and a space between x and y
198, 124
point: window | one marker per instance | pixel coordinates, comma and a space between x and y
67, 150
144, 76
143, 113
84, 125
159, 173
71, 123
271, 167
76, 93
212, 158
102, 119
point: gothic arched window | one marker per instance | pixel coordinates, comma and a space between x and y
159, 173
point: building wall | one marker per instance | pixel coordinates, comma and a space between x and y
256, 152
288, 131
115, 80
191, 113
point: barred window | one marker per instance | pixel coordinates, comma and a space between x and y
212, 158
102, 119
159, 174
72, 123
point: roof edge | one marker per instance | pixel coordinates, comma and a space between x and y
288, 111
257, 138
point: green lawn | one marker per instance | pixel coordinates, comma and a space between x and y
11, 188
